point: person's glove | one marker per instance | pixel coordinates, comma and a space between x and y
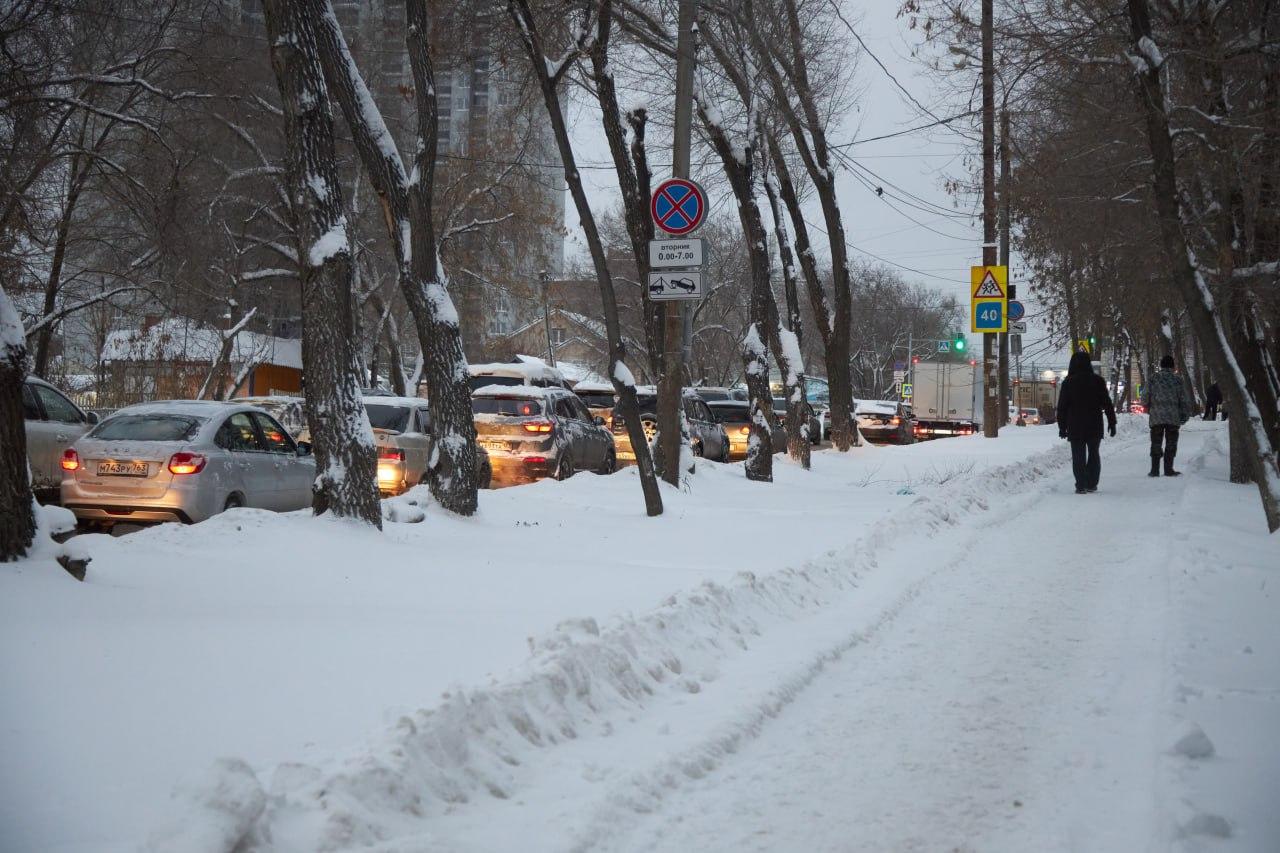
1112, 430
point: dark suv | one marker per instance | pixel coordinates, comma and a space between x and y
706, 436
533, 433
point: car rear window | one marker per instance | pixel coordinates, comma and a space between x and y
712, 395
597, 399
382, 416
155, 427
732, 416
515, 407
478, 382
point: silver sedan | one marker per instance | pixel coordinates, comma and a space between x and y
184, 461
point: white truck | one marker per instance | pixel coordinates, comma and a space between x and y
945, 398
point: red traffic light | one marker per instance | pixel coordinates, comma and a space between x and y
973, 362
915, 359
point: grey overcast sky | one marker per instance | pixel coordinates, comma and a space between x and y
929, 236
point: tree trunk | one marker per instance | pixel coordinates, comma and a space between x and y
17, 516
1187, 276
406, 205
619, 374
790, 364
345, 454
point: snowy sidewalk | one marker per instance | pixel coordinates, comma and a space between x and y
1023, 700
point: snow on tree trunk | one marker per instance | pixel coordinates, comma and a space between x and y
17, 518
788, 337
623, 382
755, 359
1147, 61
406, 203
345, 454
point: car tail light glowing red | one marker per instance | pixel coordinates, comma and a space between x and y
70, 460
186, 463
390, 454
538, 426
535, 460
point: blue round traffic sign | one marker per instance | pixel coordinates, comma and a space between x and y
678, 206
1016, 310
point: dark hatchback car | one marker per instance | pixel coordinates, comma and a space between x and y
815, 425
707, 437
533, 433
735, 417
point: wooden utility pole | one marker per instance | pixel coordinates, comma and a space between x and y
991, 418
671, 381
1004, 258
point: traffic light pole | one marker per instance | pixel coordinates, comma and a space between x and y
991, 419
1004, 260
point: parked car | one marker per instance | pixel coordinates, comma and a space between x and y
1031, 416
184, 460
706, 436
598, 397
885, 421
287, 410
531, 433
52, 423
515, 373
815, 423
734, 416
714, 393
402, 431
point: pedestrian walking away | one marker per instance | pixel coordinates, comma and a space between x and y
1212, 402
1167, 410
1081, 403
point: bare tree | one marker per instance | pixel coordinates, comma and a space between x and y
346, 462
17, 519
406, 198
549, 74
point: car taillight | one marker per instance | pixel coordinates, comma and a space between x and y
390, 454
186, 463
895, 421
535, 460
537, 426
70, 460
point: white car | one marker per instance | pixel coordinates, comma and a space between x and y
52, 424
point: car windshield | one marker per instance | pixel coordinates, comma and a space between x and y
710, 395
382, 416
731, 415
478, 382
597, 399
514, 407
153, 427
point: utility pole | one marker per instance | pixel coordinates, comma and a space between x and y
671, 381
991, 417
545, 278
1004, 259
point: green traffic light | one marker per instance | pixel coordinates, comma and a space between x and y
960, 344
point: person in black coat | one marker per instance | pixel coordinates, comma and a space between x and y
1212, 402
1081, 401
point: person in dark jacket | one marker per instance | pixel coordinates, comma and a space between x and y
1167, 410
1081, 403
1212, 402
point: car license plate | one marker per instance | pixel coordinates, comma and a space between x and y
494, 445
122, 469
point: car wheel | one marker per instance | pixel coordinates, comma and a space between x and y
610, 463
233, 502
564, 468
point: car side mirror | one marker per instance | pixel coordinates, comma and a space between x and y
599, 421
304, 448
92, 418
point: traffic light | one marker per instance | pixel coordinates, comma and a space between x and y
959, 343
915, 359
